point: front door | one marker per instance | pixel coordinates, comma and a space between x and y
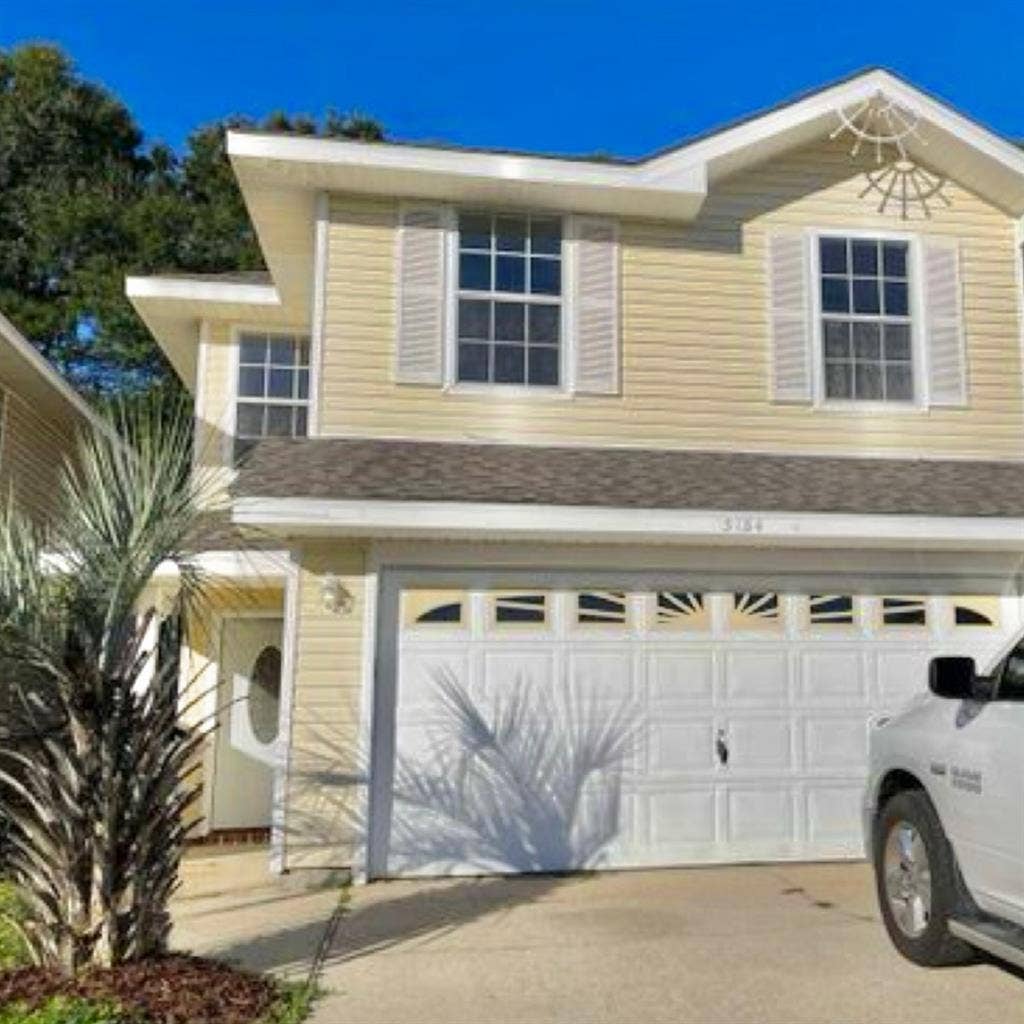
249, 693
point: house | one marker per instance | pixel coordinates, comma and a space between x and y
679, 470
40, 414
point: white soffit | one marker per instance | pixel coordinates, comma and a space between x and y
173, 307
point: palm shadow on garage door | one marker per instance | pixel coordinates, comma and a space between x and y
530, 781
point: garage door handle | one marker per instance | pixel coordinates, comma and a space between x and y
721, 747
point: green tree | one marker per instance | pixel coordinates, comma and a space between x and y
71, 165
83, 202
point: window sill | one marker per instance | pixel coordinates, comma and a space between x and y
513, 391
872, 408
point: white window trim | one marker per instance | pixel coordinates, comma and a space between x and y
918, 341
231, 414
543, 392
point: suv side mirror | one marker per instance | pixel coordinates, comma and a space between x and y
954, 678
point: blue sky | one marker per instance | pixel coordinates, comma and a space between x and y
562, 76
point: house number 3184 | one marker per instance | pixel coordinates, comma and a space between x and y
742, 524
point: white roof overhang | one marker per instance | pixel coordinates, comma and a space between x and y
173, 308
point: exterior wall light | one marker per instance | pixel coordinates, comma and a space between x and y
337, 599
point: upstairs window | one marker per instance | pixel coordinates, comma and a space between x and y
866, 338
509, 300
273, 388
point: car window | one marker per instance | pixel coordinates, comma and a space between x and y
1011, 680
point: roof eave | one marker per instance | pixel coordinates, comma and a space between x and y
172, 308
41, 367
591, 524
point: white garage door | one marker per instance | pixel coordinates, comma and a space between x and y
542, 729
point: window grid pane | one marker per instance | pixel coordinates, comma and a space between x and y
866, 348
509, 308
273, 388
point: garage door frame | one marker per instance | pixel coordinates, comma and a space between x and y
392, 580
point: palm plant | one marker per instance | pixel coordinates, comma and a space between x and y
96, 762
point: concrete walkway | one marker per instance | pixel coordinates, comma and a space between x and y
784, 944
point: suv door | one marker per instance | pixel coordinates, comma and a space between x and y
983, 767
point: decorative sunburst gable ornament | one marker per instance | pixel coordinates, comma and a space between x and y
882, 125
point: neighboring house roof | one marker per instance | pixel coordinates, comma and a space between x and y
281, 176
341, 469
29, 375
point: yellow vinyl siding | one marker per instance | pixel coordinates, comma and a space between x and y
322, 823
695, 356
32, 451
213, 404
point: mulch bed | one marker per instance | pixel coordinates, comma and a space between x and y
164, 990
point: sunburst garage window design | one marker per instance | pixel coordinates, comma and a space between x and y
865, 319
510, 300
273, 388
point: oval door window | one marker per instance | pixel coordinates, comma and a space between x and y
265, 695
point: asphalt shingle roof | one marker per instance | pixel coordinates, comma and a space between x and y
357, 469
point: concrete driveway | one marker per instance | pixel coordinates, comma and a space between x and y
767, 944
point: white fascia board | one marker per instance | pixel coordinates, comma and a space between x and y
574, 178
238, 564
178, 289
824, 104
445, 520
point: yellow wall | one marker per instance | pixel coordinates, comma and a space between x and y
694, 331
213, 405
31, 453
323, 802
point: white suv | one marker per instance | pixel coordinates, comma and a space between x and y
944, 815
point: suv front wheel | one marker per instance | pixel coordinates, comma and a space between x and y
919, 887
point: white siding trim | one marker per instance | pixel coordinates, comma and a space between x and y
282, 771
199, 399
367, 695
638, 526
318, 313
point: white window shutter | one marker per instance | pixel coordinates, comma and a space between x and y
943, 318
422, 294
595, 297
792, 362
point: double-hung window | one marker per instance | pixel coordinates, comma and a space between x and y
866, 331
273, 388
509, 322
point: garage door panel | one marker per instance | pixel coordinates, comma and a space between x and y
681, 747
833, 813
757, 677
834, 677
422, 673
760, 744
605, 675
685, 816
760, 814
900, 674
505, 670
789, 696
836, 743
680, 678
